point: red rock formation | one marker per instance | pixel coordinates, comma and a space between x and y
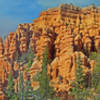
12, 45
2, 95
22, 34
87, 42
97, 42
6, 47
78, 43
67, 30
63, 70
41, 39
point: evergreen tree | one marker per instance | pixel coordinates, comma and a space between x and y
10, 91
21, 63
28, 90
25, 90
21, 92
28, 57
78, 90
95, 82
45, 92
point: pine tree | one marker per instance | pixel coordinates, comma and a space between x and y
28, 57
10, 91
95, 82
28, 90
45, 89
21, 91
25, 90
82, 92
78, 90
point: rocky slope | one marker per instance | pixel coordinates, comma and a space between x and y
67, 30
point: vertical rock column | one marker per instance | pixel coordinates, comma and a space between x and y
87, 42
22, 37
6, 48
63, 62
12, 45
42, 39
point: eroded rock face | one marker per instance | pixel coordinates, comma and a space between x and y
97, 42
62, 70
22, 35
66, 30
40, 40
6, 47
5, 68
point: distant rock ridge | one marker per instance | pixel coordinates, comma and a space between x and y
67, 30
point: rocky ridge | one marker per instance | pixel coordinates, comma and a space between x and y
67, 30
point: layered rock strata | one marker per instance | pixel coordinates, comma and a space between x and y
67, 31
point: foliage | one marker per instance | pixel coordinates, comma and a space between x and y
28, 57
45, 91
95, 82
37, 76
28, 90
78, 90
21, 92
25, 91
10, 91
25, 58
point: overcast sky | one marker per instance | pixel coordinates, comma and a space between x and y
13, 12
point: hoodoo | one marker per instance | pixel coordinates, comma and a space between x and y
67, 30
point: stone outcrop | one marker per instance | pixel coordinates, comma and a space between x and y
67, 30
40, 40
5, 68
62, 70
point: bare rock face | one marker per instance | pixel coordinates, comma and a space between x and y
17, 41
63, 67
5, 68
22, 36
87, 42
41, 39
6, 47
78, 43
12, 45
36, 67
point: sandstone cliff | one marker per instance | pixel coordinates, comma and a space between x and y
67, 30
